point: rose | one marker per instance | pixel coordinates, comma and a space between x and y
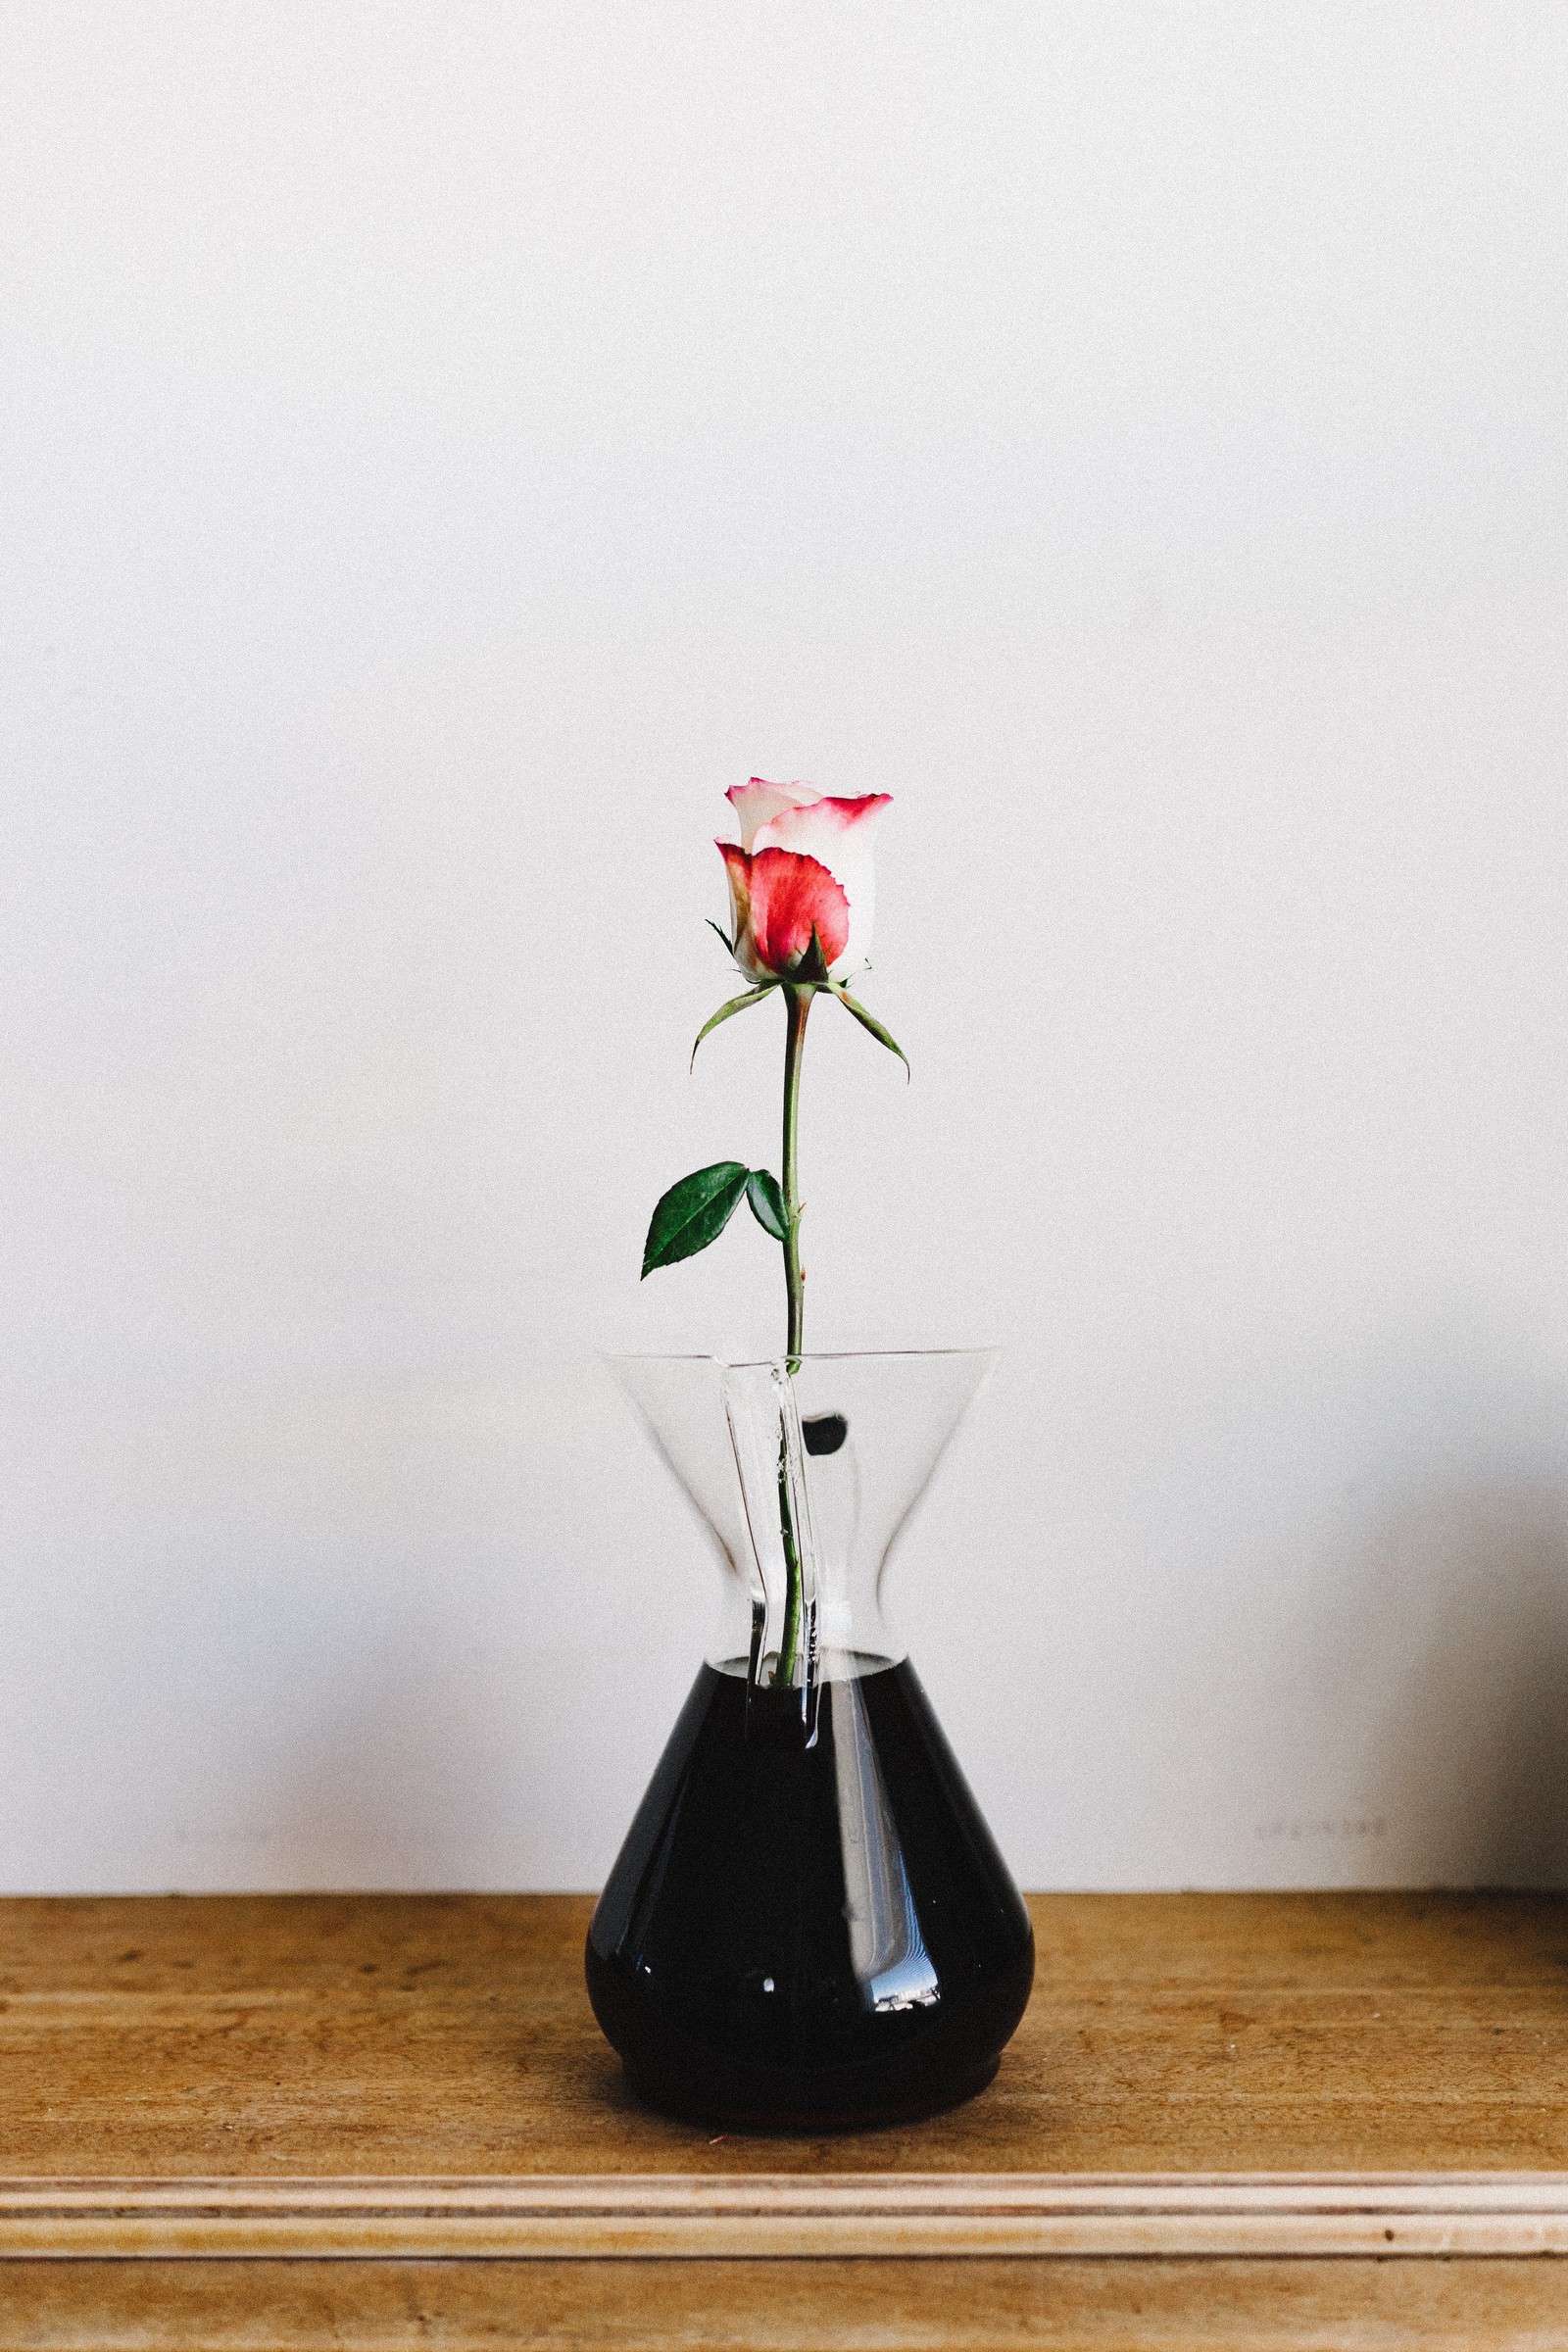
801, 890
802, 893
803, 864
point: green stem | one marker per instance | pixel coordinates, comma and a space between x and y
798, 1005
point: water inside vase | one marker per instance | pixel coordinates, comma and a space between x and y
809, 1932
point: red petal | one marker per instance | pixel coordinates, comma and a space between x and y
790, 896
738, 867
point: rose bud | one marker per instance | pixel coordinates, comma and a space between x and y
804, 864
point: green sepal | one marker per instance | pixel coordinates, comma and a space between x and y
811, 970
752, 996
721, 933
693, 1214
868, 1021
766, 1204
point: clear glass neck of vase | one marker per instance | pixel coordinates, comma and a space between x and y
804, 1475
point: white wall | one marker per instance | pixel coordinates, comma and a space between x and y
443, 448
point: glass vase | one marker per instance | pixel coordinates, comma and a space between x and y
809, 1923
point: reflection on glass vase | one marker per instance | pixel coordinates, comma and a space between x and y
809, 1923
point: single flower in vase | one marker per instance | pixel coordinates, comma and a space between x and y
803, 898
808, 1921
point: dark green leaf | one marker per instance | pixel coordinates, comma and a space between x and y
730, 944
693, 1214
767, 1204
752, 996
868, 1021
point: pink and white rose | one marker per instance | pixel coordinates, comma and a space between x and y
804, 862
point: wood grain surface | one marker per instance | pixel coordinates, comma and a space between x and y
314, 2036
785, 2307
334, 2055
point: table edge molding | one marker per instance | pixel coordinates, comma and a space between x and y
599, 2216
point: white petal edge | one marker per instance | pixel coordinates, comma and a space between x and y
847, 847
757, 802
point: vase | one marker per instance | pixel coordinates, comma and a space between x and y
809, 1924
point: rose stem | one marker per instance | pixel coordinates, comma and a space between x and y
797, 1005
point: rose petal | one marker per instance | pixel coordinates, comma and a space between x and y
827, 828
756, 803
790, 896
840, 834
738, 871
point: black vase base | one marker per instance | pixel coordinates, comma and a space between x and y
808, 1938
691, 2103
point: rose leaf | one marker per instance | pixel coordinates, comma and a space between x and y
767, 1204
693, 1214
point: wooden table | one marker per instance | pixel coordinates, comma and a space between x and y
386, 2121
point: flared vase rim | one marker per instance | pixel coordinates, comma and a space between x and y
807, 1355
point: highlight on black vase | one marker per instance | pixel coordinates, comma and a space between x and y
809, 1923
